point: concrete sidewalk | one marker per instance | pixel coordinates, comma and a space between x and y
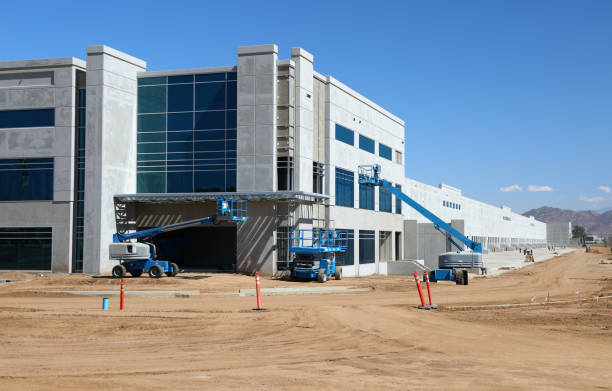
500, 262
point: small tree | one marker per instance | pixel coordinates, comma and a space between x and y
578, 233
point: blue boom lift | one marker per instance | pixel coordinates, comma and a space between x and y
449, 263
139, 257
315, 253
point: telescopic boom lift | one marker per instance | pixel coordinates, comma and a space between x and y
370, 175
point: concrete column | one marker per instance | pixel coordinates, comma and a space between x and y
110, 157
303, 118
257, 73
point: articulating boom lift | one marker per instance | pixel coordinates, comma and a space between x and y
138, 257
370, 175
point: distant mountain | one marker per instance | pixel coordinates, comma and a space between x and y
592, 221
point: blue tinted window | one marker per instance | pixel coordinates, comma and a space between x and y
384, 200
366, 197
232, 76
398, 202
180, 182
180, 121
151, 137
207, 181
366, 246
365, 143
210, 120
210, 96
348, 257
151, 122
180, 97
25, 248
232, 95
172, 136
27, 118
180, 136
231, 119
384, 151
345, 187
205, 77
151, 182
26, 179
152, 99
180, 79
145, 81
345, 135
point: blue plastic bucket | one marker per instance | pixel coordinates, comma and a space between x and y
105, 303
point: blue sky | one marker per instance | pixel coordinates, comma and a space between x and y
495, 94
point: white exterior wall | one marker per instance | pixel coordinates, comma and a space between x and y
482, 221
353, 111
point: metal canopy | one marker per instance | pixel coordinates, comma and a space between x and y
279, 196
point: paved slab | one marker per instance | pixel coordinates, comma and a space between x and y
300, 290
132, 293
499, 262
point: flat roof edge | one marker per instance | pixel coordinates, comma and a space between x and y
43, 63
173, 72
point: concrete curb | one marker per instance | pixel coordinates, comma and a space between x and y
286, 291
131, 293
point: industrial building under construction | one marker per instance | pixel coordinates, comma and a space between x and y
97, 146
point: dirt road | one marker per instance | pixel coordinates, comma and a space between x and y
359, 341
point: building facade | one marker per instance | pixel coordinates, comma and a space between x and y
89, 148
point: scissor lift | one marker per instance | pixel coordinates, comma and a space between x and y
315, 253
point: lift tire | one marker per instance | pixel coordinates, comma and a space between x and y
338, 274
156, 271
119, 271
175, 270
136, 273
322, 275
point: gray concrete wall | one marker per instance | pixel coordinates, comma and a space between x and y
110, 162
256, 155
37, 84
559, 233
431, 243
303, 118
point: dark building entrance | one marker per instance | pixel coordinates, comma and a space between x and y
199, 248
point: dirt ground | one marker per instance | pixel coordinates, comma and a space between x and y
375, 340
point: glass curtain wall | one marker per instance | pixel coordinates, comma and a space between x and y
25, 248
366, 246
187, 133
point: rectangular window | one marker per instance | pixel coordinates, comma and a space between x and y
345, 187
347, 258
365, 143
366, 246
25, 248
366, 197
398, 201
398, 157
384, 151
26, 179
284, 170
210, 96
27, 118
384, 200
318, 173
151, 99
345, 135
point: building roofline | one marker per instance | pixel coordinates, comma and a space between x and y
43, 63
173, 72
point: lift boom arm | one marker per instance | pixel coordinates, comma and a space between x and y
230, 210
370, 175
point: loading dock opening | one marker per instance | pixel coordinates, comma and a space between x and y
199, 248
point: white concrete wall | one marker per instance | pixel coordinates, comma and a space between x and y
110, 156
38, 84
